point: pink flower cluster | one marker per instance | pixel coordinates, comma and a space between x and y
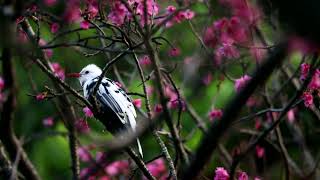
241, 82
313, 86
87, 112
174, 101
215, 114
179, 17
144, 61
137, 103
82, 126
158, 169
116, 169
58, 70
222, 174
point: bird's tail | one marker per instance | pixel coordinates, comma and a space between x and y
139, 148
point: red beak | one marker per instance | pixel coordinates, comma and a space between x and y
73, 75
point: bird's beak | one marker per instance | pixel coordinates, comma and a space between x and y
73, 75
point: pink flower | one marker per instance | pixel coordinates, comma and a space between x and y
54, 27
158, 108
243, 176
145, 61
137, 103
304, 70
241, 82
174, 52
58, 70
1, 83
168, 92
257, 178
72, 11
188, 14
157, 168
50, 2
291, 116
315, 81
85, 24
104, 178
236, 30
260, 151
228, 51
82, 126
87, 112
84, 154
221, 174
149, 90
92, 11
171, 9
257, 124
307, 98
174, 104
48, 122
116, 168
210, 38
41, 96
118, 13
215, 114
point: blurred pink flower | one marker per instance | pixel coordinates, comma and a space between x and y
54, 27
221, 174
137, 103
307, 98
243, 176
41, 96
241, 82
85, 24
171, 9
157, 168
145, 61
210, 38
149, 90
92, 11
118, 13
290, 116
304, 70
1, 83
57, 70
82, 126
158, 108
84, 154
117, 167
50, 2
315, 81
48, 122
72, 11
174, 52
260, 151
207, 79
215, 114
87, 112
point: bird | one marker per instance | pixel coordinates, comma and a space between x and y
117, 111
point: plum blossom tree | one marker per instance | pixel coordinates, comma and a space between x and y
212, 83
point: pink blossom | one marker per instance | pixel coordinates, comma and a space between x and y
117, 167
257, 124
260, 151
168, 92
207, 79
137, 103
241, 82
210, 38
257, 178
221, 174
84, 172
85, 24
174, 52
50, 2
290, 116
188, 14
92, 11
145, 61
57, 70
228, 51
48, 122
315, 81
175, 103
307, 98
87, 112
149, 90
304, 71
41, 96
104, 178
243, 176
118, 13
82, 126
84, 154
215, 114
100, 156
157, 168
236, 30
158, 108
54, 27
1, 83
171, 9
72, 11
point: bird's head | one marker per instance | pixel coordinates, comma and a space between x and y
89, 72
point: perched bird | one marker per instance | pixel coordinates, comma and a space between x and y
117, 111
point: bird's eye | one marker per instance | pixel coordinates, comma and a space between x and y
86, 72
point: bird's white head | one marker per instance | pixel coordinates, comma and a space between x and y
89, 72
